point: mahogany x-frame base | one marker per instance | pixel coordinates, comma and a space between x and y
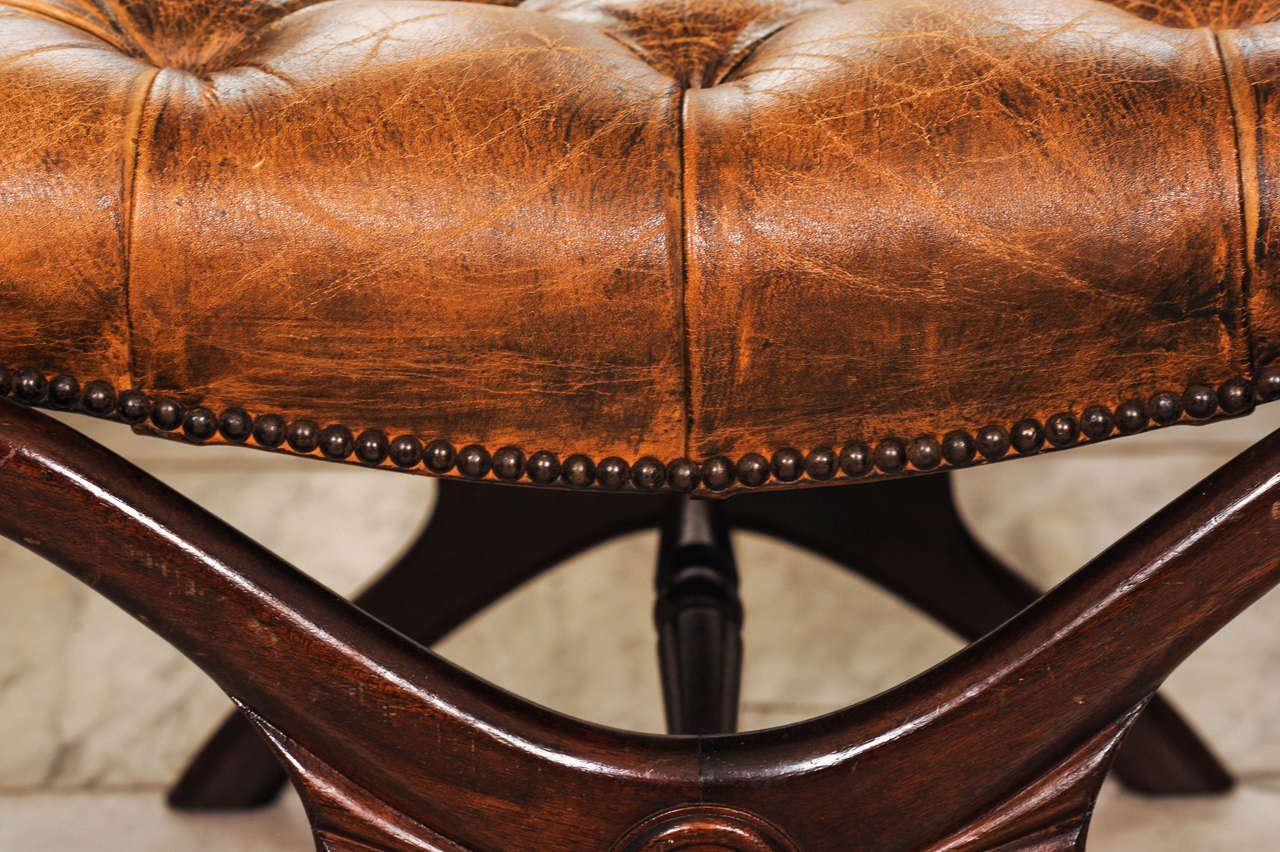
905, 534
1002, 746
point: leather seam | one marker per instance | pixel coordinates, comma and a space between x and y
139, 97
62, 16
1246, 184
739, 54
686, 339
749, 49
630, 46
123, 20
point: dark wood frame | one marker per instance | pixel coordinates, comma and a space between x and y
1001, 746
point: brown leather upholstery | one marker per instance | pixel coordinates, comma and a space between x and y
643, 228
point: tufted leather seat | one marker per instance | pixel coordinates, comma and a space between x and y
883, 234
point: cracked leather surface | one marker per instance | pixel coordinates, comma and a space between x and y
642, 226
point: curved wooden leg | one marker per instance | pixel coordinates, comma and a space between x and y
907, 536
456, 567
1036, 707
392, 748
698, 615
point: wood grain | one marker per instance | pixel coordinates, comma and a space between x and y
394, 748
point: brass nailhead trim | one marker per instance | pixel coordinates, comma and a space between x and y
856, 459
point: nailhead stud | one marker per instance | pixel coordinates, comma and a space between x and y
788, 464
336, 442
235, 425
958, 447
1200, 401
717, 473
753, 470
648, 474
98, 398
821, 463
890, 455
270, 430
1027, 436
440, 456
1061, 429
855, 459
993, 442
372, 446
31, 386
1131, 417
1236, 396
405, 451
64, 392
578, 470
167, 413
474, 461
508, 464
924, 452
1268, 383
543, 467
199, 424
612, 473
303, 435
133, 406
1096, 422
683, 475
1164, 408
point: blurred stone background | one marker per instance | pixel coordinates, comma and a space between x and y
97, 715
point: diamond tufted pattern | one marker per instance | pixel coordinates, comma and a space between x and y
642, 227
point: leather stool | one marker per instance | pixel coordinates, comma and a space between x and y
600, 264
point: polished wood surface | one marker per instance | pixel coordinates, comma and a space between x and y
698, 616
456, 567
393, 748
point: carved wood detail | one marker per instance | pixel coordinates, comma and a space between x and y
394, 748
